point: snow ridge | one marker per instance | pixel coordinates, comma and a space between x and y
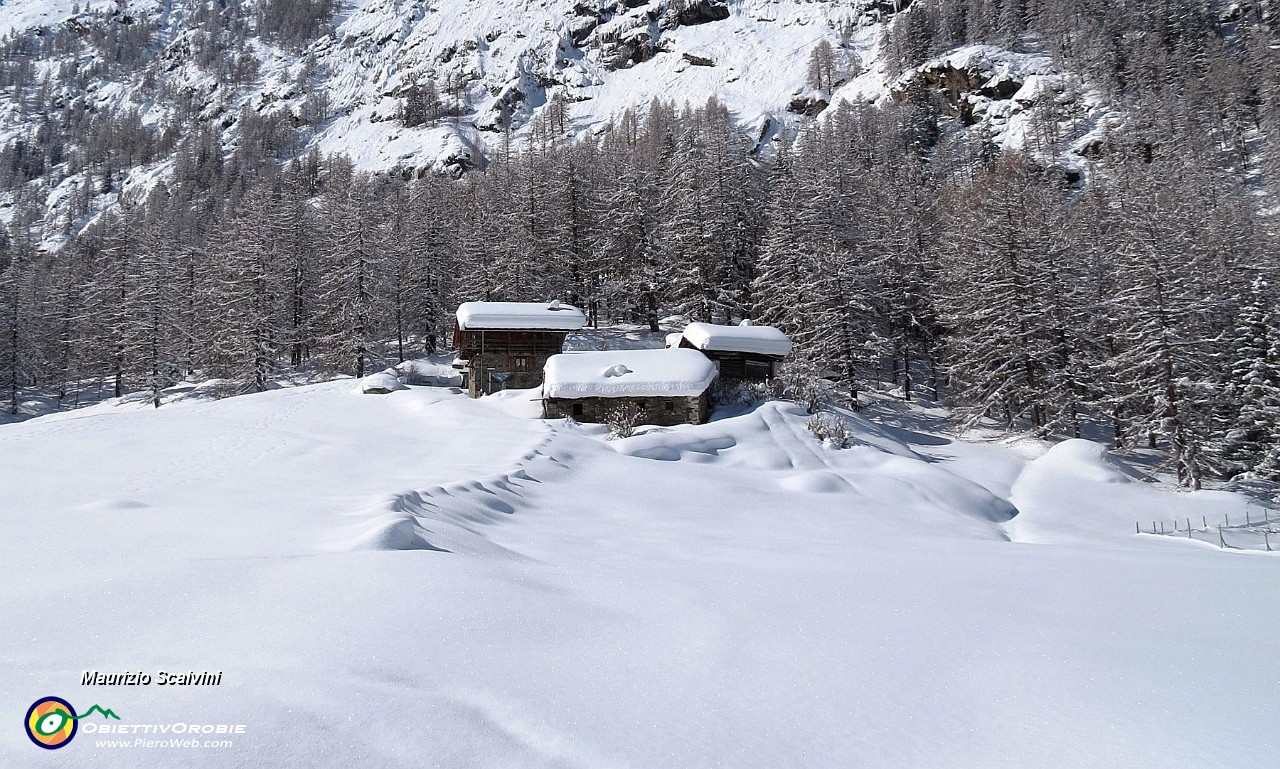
451, 518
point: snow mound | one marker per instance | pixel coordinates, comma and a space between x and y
382, 383
1080, 459
1074, 493
816, 482
429, 372
397, 531
628, 373
762, 340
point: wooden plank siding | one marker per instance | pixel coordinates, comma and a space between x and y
505, 359
742, 366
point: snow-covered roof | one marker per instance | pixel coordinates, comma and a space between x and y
762, 340
628, 373
542, 316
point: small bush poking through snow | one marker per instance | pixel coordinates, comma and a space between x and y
622, 420
799, 382
831, 430
741, 393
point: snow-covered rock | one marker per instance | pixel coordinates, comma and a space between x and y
429, 372
382, 383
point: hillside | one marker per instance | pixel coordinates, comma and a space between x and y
417, 86
419, 579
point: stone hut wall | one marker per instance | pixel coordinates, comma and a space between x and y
661, 411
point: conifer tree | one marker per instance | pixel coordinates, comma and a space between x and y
1252, 391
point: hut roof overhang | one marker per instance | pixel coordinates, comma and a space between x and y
517, 316
758, 340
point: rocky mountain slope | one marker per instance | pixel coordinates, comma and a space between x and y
416, 86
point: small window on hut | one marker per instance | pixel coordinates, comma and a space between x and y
671, 406
577, 409
520, 363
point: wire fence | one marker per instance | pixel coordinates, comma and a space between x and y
1257, 530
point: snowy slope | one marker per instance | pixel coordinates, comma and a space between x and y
726, 595
504, 63
25, 14
515, 55
505, 59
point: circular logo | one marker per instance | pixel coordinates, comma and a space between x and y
51, 722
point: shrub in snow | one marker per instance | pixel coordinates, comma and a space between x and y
740, 393
799, 382
622, 420
831, 430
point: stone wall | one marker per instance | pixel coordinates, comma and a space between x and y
657, 411
479, 369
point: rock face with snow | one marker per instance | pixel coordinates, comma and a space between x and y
497, 64
1000, 90
436, 86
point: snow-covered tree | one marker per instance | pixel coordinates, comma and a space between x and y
19, 350
350, 293
1252, 391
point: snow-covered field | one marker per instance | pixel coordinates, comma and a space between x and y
418, 579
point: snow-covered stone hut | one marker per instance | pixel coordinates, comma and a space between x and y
669, 386
506, 344
744, 353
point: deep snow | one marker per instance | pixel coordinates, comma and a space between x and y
418, 579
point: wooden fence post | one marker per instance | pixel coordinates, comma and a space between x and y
1221, 542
